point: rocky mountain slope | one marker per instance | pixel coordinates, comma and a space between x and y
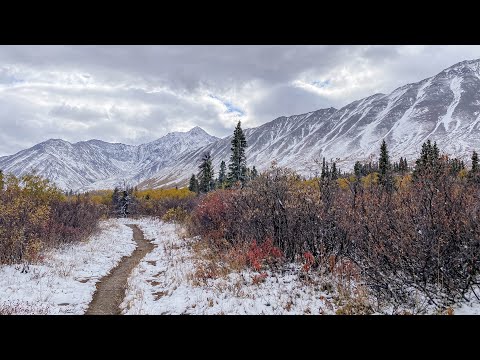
444, 108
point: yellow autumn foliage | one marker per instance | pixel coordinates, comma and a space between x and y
159, 194
33, 211
103, 197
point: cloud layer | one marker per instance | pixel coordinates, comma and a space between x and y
135, 94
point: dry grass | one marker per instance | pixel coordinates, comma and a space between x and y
19, 308
213, 261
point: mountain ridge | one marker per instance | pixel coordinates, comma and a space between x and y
444, 108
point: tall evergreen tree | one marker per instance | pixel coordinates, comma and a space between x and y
429, 159
435, 152
474, 173
334, 173
384, 167
2, 182
324, 170
193, 185
125, 203
475, 167
222, 175
456, 165
402, 166
205, 177
238, 161
357, 169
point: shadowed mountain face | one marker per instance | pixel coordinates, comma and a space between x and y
444, 108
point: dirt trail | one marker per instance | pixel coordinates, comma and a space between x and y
111, 288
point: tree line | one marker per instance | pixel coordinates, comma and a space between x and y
238, 173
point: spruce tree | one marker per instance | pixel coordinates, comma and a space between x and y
248, 175
456, 165
429, 160
357, 169
125, 203
205, 177
334, 173
403, 167
254, 173
435, 152
193, 185
384, 167
212, 184
222, 176
324, 170
474, 173
475, 168
238, 162
2, 182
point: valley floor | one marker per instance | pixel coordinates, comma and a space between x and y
166, 281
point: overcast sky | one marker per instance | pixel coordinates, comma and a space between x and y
135, 94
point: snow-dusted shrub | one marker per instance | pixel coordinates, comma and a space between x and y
215, 215
73, 219
420, 244
413, 245
34, 214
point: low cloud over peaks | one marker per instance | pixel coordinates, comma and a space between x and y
134, 94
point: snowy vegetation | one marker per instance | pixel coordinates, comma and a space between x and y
410, 239
386, 238
35, 215
63, 282
407, 234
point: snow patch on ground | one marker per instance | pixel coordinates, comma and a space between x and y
65, 282
163, 284
468, 308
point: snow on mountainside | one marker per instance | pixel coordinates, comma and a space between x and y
98, 164
444, 108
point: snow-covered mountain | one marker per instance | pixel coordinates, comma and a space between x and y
96, 164
444, 108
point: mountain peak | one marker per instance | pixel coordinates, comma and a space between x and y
54, 142
473, 64
193, 131
197, 130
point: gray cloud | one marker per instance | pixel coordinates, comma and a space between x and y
134, 94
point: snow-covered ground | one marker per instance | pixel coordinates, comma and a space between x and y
65, 282
471, 308
163, 283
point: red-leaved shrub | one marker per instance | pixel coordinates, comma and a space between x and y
309, 261
265, 253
